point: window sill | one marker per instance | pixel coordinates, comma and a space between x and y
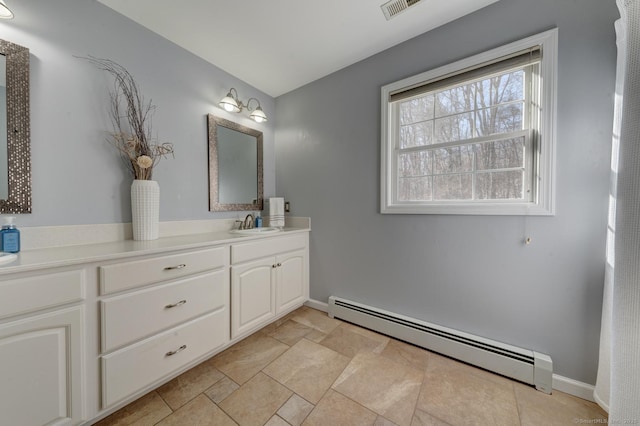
462, 208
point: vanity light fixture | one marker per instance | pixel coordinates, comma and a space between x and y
231, 103
5, 12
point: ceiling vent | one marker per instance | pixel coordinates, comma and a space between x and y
394, 7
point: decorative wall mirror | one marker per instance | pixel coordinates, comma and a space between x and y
235, 166
15, 151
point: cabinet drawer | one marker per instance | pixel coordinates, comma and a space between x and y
135, 367
267, 247
132, 316
122, 276
28, 294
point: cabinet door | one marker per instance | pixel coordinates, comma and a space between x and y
252, 295
40, 369
291, 281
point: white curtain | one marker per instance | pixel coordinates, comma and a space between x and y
618, 383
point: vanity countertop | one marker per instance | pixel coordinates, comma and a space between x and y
35, 259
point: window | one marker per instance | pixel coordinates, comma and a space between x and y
475, 136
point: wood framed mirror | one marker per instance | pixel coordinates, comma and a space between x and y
235, 166
15, 139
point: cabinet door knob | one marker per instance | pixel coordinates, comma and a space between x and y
279, 264
180, 266
180, 349
173, 305
274, 266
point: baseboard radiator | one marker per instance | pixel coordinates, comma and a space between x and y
520, 364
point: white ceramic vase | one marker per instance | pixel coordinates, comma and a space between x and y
145, 209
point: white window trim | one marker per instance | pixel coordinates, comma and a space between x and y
544, 161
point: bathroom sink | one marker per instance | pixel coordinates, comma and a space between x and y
256, 231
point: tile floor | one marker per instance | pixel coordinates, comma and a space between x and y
309, 369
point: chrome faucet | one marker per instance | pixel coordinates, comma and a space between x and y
247, 225
243, 224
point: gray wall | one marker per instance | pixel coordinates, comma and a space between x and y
471, 273
77, 176
467, 272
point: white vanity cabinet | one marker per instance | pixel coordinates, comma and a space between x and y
87, 329
269, 277
152, 329
41, 348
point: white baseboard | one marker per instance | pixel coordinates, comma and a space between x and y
573, 387
316, 304
601, 402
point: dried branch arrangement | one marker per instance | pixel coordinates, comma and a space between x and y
131, 118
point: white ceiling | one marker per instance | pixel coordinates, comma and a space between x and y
280, 45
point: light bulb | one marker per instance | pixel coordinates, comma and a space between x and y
258, 115
229, 104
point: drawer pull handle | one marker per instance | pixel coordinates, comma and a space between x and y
173, 305
180, 266
180, 349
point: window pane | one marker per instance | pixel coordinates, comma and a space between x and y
503, 88
500, 119
453, 160
473, 139
454, 128
415, 110
415, 163
418, 134
500, 185
452, 187
454, 101
504, 154
414, 189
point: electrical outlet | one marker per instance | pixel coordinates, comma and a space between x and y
287, 207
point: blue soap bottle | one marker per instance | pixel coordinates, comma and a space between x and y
258, 222
9, 237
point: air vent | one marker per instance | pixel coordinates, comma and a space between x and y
394, 7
